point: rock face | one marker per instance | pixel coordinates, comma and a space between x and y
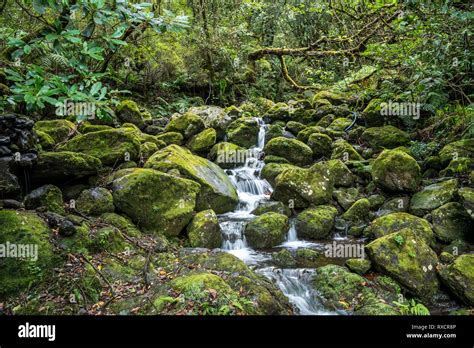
201, 143
96, 201
213, 117
303, 187
267, 230
407, 258
317, 222
129, 112
187, 124
58, 130
204, 230
394, 170
111, 147
24, 228
433, 196
156, 201
48, 197
459, 277
243, 132
451, 222
387, 137
293, 150
217, 192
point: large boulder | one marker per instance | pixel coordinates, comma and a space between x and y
271, 171
407, 258
59, 130
95, 201
202, 142
188, 124
217, 192
451, 222
28, 231
204, 230
386, 137
459, 277
342, 175
320, 144
243, 132
47, 197
344, 151
317, 222
128, 111
457, 149
293, 150
171, 138
267, 230
112, 147
433, 196
228, 155
155, 201
213, 117
395, 170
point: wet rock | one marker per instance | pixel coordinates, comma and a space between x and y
271, 206
171, 138
95, 201
215, 117
188, 124
48, 198
267, 230
243, 132
204, 230
203, 142
386, 137
344, 151
459, 278
228, 155
433, 196
317, 222
451, 222
293, 150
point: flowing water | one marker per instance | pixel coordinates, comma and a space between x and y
252, 190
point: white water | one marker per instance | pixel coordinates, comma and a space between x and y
252, 190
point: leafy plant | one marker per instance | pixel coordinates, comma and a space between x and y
411, 307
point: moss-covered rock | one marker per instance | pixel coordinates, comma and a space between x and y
395, 205
408, 259
304, 134
317, 222
123, 223
278, 112
129, 111
343, 177
459, 278
284, 259
346, 197
59, 130
45, 140
293, 150
271, 206
294, 127
112, 147
200, 281
340, 124
188, 124
147, 149
320, 144
466, 195
216, 117
86, 127
158, 202
386, 137
275, 130
95, 201
47, 198
333, 97
64, 165
243, 132
217, 192
458, 166
22, 269
359, 266
107, 239
451, 222
202, 142
358, 213
276, 159
344, 151
228, 155
267, 230
271, 170
457, 149
394, 170
171, 138
433, 196
204, 230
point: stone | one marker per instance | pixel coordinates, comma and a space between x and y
267, 230
204, 230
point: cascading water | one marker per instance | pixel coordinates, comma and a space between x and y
252, 190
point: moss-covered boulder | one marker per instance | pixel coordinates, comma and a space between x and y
333, 97
395, 222
294, 127
304, 134
156, 201
358, 213
275, 130
64, 165
451, 222
204, 230
359, 266
459, 278
433, 196
386, 137
112, 147
243, 132
171, 138
216, 117
466, 195
22, 268
407, 258
123, 223
457, 149
45, 140
147, 149
271, 170
129, 111
344, 151
395, 170
267, 230
278, 112
302, 187
343, 177
86, 127
188, 124
47, 198
346, 197
340, 124
59, 130
202, 142
293, 150
317, 222
458, 166
320, 144
217, 192
95, 201
272, 206
228, 155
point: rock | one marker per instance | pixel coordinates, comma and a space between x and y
204, 230
95, 201
48, 198
376, 201
284, 259
243, 132
293, 150
215, 117
320, 144
23, 228
459, 278
275, 130
228, 155
9, 184
457, 149
386, 137
458, 166
446, 257
394, 205
271, 170
451, 222
107, 239
64, 165
203, 142
275, 159
394, 170
433, 196
171, 138
407, 258
343, 177
294, 127
467, 198
346, 196
111, 147
271, 206
147, 149
128, 111
123, 223
156, 201
304, 134
302, 187
278, 112
358, 213
340, 124
59, 130
344, 151
316, 223
267, 230
333, 97
85, 127
45, 140
359, 266
395, 222
187, 124
217, 192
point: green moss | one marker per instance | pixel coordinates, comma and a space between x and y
58, 130
359, 266
342, 175
458, 166
227, 155
65, 165
294, 127
48, 197
271, 170
459, 277
457, 149
293, 150
304, 134
201, 143
188, 124
204, 230
267, 230
316, 223
95, 201
243, 132
344, 151
122, 223
340, 124
346, 197
451, 222
386, 137
358, 213
433, 196
45, 140
271, 206
320, 144
171, 138
147, 149
129, 111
